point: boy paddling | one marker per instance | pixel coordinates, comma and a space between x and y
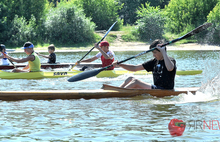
32, 59
106, 55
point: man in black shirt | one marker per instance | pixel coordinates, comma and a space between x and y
162, 66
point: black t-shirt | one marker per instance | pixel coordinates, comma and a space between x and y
52, 58
162, 77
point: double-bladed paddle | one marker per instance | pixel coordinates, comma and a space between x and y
94, 46
91, 73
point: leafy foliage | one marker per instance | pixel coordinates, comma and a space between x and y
128, 11
160, 3
20, 18
103, 13
69, 21
185, 15
214, 18
67, 24
151, 22
22, 31
3, 23
130, 7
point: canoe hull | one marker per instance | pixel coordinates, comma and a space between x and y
152, 92
88, 94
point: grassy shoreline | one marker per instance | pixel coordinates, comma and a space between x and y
124, 40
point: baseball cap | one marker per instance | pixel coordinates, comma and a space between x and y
27, 45
104, 43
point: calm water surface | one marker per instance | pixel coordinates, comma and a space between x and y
139, 118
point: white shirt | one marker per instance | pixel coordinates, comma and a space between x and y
5, 61
110, 53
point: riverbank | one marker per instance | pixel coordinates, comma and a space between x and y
136, 46
133, 46
139, 46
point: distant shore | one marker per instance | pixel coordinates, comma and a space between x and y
135, 46
142, 47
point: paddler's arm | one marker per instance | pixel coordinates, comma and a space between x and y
168, 63
29, 58
88, 60
128, 67
106, 56
45, 56
26, 67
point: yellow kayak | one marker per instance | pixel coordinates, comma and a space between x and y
57, 74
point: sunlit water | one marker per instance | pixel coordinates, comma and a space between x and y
138, 118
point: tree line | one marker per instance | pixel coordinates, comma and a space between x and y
68, 22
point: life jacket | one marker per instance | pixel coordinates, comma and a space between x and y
107, 62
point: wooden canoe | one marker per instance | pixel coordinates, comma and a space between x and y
152, 92
107, 92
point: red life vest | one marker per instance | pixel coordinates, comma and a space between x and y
107, 62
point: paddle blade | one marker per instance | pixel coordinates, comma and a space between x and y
84, 75
189, 34
197, 30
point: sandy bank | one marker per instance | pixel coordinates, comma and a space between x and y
138, 46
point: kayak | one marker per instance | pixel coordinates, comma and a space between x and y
53, 66
57, 74
107, 92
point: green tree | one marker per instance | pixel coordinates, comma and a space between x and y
14, 12
25, 8
130, 7
184, 15
22, 31
214, 18
103, 13
67, 24
151, 22
3, 23
128, 12
155, 3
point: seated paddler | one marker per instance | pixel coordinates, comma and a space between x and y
162, 67
33, 60
107, 56
2, 57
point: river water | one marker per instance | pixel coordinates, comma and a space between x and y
138, 118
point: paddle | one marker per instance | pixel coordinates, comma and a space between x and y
91, 73
94, 46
